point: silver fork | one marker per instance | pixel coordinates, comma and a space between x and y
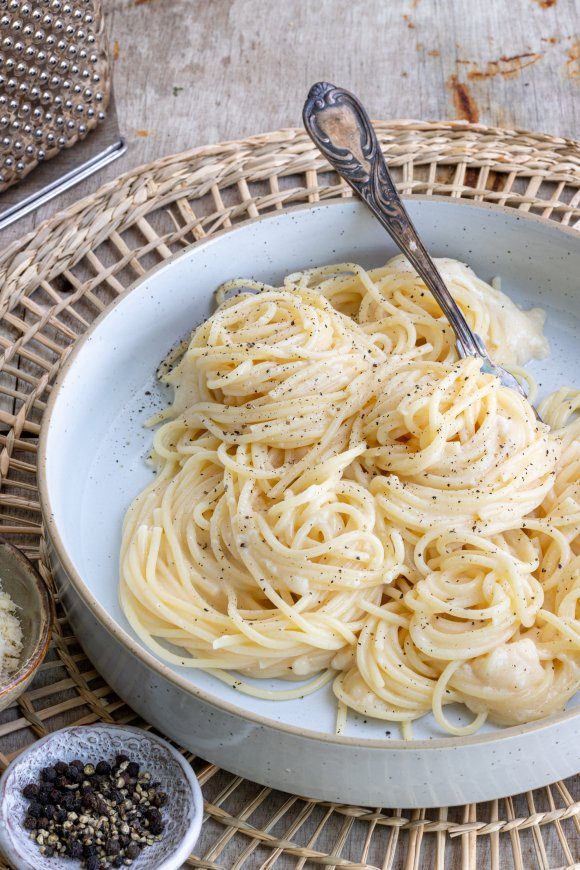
339, 126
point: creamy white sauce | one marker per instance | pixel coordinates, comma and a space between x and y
518, 335
513, 666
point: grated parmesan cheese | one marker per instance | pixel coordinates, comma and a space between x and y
10, 636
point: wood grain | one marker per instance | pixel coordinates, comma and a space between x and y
191, 72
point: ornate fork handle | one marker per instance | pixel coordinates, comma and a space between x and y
339, 125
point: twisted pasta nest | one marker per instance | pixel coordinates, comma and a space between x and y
339, 497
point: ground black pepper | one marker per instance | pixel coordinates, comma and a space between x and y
102, 814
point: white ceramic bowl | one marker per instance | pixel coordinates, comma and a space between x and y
183, 812
93, 428
21, 581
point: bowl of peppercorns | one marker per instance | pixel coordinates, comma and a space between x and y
99, 796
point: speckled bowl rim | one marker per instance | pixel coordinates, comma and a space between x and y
143, 654
179, 855
47, 615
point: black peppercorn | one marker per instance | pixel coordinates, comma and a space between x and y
156, 826
35, 809
61, 768
74, 849
112, 847
29, 823
133, 769
75, 774
48, 774
93, 863
44, 793
103, 768
120, 759
76, 763
133, 851
30, 791
160, 799
89, 801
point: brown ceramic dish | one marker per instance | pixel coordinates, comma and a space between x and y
22, 582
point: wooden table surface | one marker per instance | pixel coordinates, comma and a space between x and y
193, 72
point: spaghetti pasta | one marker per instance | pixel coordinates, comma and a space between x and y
339, 497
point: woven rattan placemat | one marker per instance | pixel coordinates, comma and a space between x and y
55, 282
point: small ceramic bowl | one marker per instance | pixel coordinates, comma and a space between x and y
182, 814
21, 581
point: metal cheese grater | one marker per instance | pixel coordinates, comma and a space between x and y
55, 87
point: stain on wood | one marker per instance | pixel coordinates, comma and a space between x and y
142, 134
434, 53
545, 4
504, 66
471, 177
573, 62
408, 22
116, 50
465, 106
496, 181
